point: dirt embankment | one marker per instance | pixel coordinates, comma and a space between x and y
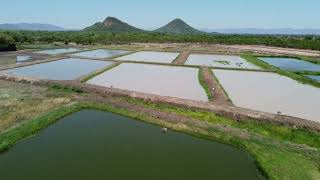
219, 97
183, 57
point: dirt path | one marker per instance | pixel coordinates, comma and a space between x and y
182, 58
219, 97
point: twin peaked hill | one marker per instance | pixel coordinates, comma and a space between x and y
114, 25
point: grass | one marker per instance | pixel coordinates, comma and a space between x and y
66, 89
300, 78
223, 62
308, 73
204, 84
276, 159
279, 132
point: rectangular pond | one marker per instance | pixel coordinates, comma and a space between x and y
291, 64
58, 51
180, 82
97, 145
101, 53
224, 61
270, 92
149, 56
65, 69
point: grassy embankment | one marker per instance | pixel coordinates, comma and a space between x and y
296, 76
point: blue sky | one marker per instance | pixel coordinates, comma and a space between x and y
155, 13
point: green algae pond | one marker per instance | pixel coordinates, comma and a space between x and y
92, 144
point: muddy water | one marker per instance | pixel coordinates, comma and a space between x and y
170, 81
292, 64
66, 69
96, 145
58, 51
270, 92
148, 56
225, 61
101, 53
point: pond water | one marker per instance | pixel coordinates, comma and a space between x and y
97, 145
180, 82
225, 61
317, 78
58, 51
149, 56
101, 53
65, 69
270, 92
23, 58
291, 64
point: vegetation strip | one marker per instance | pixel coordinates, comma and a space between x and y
205, 83
83, 37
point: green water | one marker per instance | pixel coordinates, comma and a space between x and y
96, 145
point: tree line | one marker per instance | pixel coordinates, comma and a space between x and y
7, 43
89, 38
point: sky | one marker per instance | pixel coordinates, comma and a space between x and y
150, 14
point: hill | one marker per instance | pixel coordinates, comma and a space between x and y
30, 27
112, 24
178, 26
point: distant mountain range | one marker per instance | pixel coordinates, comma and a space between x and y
112, 24
177, 26
290, 31
30, 27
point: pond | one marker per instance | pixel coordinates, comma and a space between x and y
314, 77
101, 53
149, 56
65, 69
97, 145
58, 51
224, 61
291, 64
270, 92
180, 82
20, 59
